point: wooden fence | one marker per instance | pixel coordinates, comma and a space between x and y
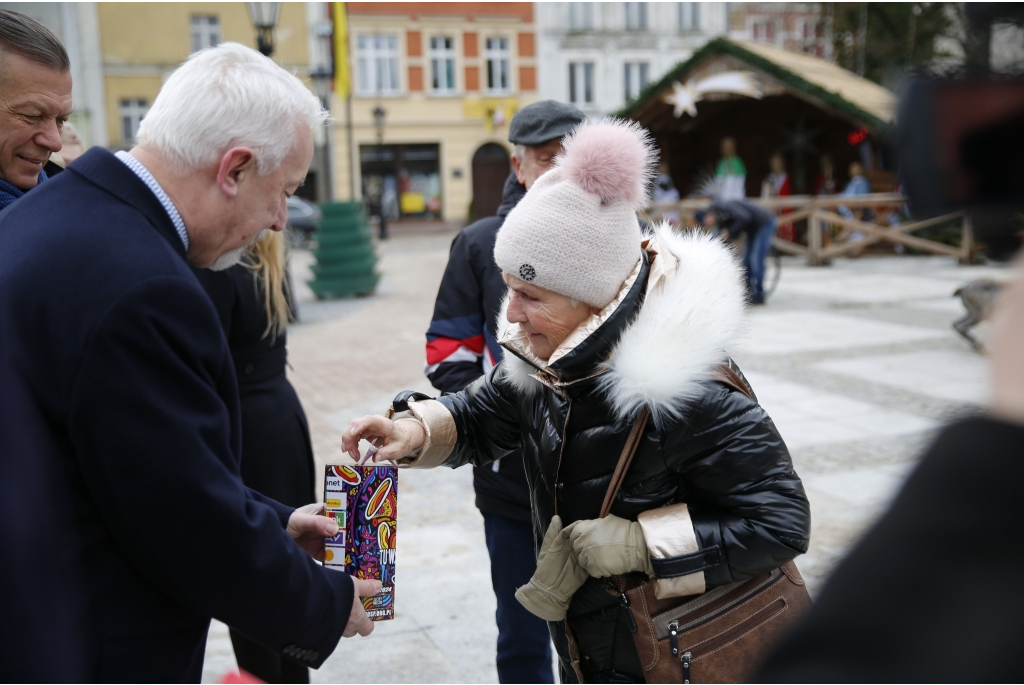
830, 234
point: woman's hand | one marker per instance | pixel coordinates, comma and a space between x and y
396, 439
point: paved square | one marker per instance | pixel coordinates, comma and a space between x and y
856, 363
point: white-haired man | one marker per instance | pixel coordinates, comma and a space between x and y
116, 354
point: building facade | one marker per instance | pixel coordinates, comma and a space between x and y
433, 89
794, 26
601, 55
142, 43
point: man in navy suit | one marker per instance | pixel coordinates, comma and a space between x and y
114, 360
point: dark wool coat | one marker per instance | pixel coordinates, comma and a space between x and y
707, 445
277, 457
117, 358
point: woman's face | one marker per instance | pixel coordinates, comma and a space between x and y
547, 318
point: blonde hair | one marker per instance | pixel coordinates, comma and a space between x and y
266, 259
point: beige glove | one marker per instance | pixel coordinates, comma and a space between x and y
557, 578
610, 546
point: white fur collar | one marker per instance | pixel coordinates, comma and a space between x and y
688, 321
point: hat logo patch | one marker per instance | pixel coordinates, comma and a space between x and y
527, 272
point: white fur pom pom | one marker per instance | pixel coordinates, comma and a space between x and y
613, 159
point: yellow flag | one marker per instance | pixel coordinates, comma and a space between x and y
341, 73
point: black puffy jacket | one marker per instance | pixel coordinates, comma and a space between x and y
707, 445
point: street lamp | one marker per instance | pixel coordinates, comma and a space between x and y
378, 202
378, 120
264, 18
321, 77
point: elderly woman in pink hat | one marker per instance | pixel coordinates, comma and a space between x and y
605, 325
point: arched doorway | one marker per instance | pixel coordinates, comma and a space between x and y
490, 169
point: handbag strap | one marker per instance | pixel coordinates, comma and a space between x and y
625, 459
723, 373
728, 375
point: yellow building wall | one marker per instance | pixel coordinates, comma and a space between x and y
458, 123
142, 43
157, 33
126, 87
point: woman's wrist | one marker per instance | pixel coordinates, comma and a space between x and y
412, 433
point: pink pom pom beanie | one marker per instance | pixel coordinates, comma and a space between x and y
575, 232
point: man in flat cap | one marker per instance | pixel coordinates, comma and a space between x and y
461, 347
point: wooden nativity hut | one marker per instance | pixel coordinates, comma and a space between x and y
769, 101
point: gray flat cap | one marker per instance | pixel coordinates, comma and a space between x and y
542, 121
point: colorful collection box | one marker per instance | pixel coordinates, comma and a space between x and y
364, 502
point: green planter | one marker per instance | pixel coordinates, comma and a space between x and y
330, 241
337, 288
329, 256
344, 270
345, 259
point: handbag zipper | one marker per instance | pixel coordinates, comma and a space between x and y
711, 645
723, 604
673, 641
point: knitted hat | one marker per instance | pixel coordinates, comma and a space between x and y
575, 232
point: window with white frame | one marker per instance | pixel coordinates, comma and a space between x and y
132, 110
442, 64
763, 30
498, 69
581, 16
377, 64
581, 83
635, 79
636, 16
689, 16
205, 31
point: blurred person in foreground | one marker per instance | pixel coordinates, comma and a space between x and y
462, 346
35, 102
603, 323
253, 301
108, 340
737, 217
933, 592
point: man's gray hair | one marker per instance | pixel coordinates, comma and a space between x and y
224, 97
25, 36
519, 151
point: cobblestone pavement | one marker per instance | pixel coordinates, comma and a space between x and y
856, 363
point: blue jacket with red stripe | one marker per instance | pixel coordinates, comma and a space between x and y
462, 343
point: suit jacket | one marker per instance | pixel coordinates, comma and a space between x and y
111, 347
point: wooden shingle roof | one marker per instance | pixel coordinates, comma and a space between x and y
860, 99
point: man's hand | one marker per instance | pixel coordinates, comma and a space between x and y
1008, 350
358, 622
396, 439
308, 527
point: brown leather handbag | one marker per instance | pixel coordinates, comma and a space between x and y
716, 637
